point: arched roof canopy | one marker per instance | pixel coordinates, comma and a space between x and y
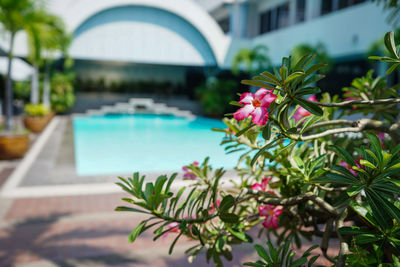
78, 13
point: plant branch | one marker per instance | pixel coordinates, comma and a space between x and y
265, 197
344, 247
330, 123
359, 102
359, 126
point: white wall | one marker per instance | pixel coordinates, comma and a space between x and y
346, 32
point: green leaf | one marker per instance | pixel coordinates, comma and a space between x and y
257, 84
226, 203
390, 44
376, 144
378, 210
235, 103
367, 163
262, 253
171, 248
266, 133
315, 67
310, 106
135, 233
343, 154
258, 154
271, 76
121, 208
352, 230
308, 91
244, 130
335, 178
293, 76
392, 68
229, 217
241, 235
367, 238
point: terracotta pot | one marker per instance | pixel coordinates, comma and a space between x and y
13, 147
35, 124
50, 116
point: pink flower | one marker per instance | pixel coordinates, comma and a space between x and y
302, 112
262, 186
255, 106
271, 214
212, 210
173, 228
188, 174
348, 167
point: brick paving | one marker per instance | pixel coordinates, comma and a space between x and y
59, 229
85, 231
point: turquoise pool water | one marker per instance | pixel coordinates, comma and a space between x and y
123, 144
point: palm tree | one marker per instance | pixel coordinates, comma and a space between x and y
15, 15
45, 37
255, 60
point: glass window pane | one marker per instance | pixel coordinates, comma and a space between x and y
301, 10
282, 17
326, 6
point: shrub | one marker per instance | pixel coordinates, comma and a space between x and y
38, 110
304, 168
62, 92
215, 95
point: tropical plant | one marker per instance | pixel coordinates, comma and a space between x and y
38, 110
45, 36
254, 60
15, 16
392, 6
62, 92
215, 95
304, 168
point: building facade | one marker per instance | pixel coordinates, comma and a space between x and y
164, 39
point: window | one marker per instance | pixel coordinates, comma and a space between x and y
225, 24
300, 10
326, 6
347, 3
282, 18
266, 22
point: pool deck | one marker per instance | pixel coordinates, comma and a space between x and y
51, 217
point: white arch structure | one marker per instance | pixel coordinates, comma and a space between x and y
77, 12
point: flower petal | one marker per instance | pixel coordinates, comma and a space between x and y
257, 187
268, 99
313, 98
246, 98
259, 116
243, 112
261, 93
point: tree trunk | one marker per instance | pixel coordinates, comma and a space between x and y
46, 86
8, 95
35, 85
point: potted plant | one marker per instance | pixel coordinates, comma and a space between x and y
37, 116
13, 143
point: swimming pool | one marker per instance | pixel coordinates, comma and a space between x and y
123, 144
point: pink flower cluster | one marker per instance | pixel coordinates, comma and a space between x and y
255, 105
302, 112
173, 228
270, 212
188, 174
